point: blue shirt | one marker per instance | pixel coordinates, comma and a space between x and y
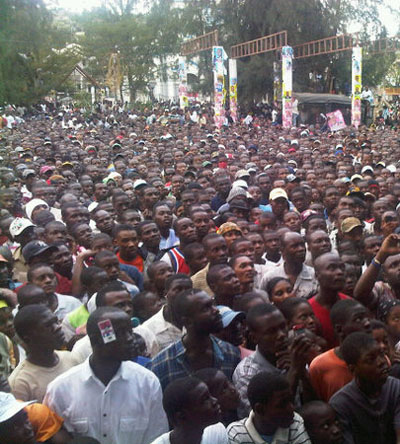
171, 363
133, 273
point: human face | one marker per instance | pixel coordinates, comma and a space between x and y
292, 221
84, 235
378, 209
299, 201
372, 367
228, 283
391, 270
127, 242
45, 278
161, 274
265, 185
187, 200
201, 221
324, 427
258, 244
123, 348
272, 243
100, 192
393, 323
231, 236
279, 410
217, 251
279, 206
186, 231
269, 332
163, 217
120, 299
202, 409
371, 247
198, 260
357, 320
104, 221
282, 290
203, 315
331, 198
151, 235
382, 338
121, 204
177, 286
305, 316
18, 429
150, 196
331, 272
131, 217
7, 322
76, 215
111, 266
222, 186
62, 260
316, 224
319, 243
225, 392
48, 332
294, 248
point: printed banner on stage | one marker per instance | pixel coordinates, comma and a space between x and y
356, 85
287, 80
218, 58
183, 98
335, 120
233, 88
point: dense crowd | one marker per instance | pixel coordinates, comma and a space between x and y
163, 281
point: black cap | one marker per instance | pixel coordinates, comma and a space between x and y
35, 248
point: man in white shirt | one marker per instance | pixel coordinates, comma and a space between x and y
108, 397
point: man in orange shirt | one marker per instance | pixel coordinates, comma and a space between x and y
126, 239
328, 371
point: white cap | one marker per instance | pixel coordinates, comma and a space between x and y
9, 406
18, 225
392, 168
240, 183
367, 168
138, 183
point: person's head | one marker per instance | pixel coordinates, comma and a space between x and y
162, 216
243, 266
258, 244
279, 289
175, 284
292, 220
39, 328
365, 359
108, 261
189, 404
318, 243
201, 221
93, 279
115, 294
233, 325
6, 319
125, 238
73, 213
130, 217
272, 243
348, 316
298, 312
293, 248
391, 270
389, 313
15, 427
215, 249
110, 333
222, 186
220, 388
372, 243
158, 272
145, 305
330, 272
321, 423
61, 259
55, 231
315, 222
196, 310
120, 202
149, 234
268, 221
381, 336
278, 200
267, 328
223, 281
104, 221
195, 256
242, 246
185, 230
271, 400
43, 276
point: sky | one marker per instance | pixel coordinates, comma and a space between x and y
388, 18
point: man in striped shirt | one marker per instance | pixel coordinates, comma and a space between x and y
272, 419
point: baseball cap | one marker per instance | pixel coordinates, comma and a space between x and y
349, 224
276, 193
18, 225
367, 168
294, 142
355, 177
19, 149
242, 173
44, 169
227, 227
292, 178
9, 406
28, 172
36, 247
139, 183
228, 315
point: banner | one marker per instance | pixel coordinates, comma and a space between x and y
233, 88
218, 58
277, 82
287, 80
356, 86
183, 99
335, 120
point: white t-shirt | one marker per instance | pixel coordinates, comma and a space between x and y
213, 434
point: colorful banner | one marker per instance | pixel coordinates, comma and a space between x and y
356, 86
183, 98
233, 88
335, 120
218, 58
277, 82
287, 81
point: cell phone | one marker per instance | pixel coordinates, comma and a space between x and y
298, 329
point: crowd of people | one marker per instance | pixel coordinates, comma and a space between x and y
164, 281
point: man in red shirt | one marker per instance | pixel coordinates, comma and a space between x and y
126, 239
329, 271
